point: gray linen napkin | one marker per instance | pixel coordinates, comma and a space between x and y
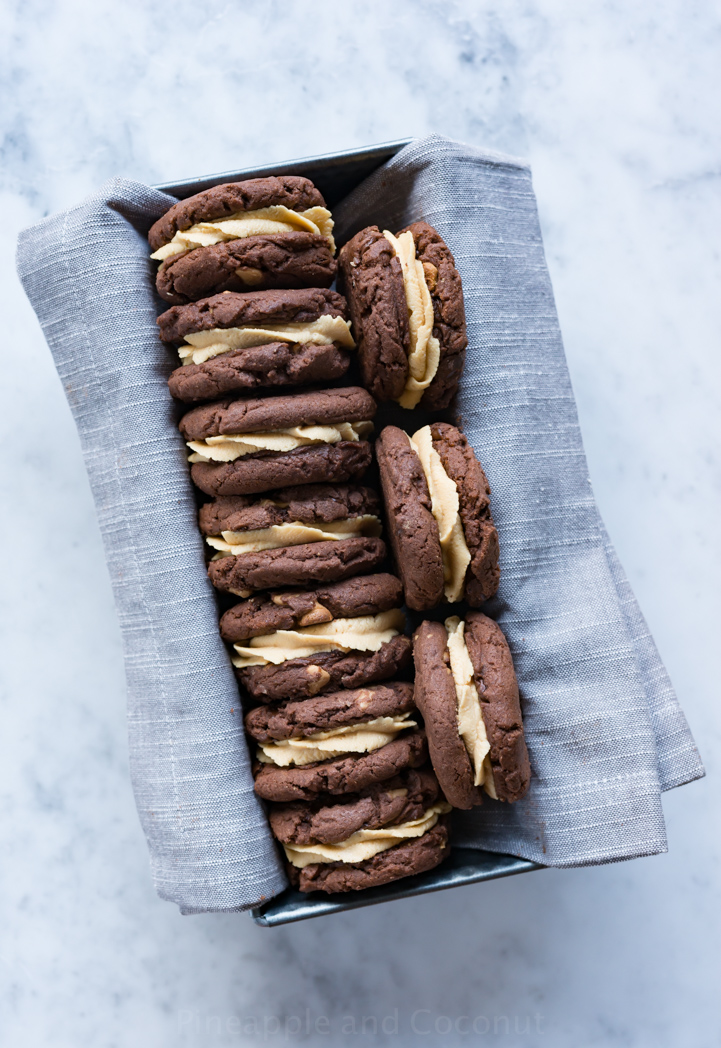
604, 728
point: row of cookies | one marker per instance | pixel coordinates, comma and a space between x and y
440, 527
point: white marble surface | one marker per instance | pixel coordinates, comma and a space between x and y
617, 108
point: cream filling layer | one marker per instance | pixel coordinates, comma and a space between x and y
445, 507
230, 446
364, 633
264, 221
236, 543
202, 345
470, 718
353, 738
364, 844
425, 350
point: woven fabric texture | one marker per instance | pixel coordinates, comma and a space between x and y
604, 728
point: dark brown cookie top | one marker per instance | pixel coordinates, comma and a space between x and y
276, 260
326, 671
265, 471
292, 191
412, 528
312, 562
411, 857
474, 493
326, 821
497, 686
449, 315
307, 503
293, 609
264, 414
372, 280
276, 364
231, 309
337, 709
435, 697
341, 775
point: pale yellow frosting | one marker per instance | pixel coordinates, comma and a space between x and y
236, 543
202, 345
264, 221
364, 633
425, 350
364, 844
353, 738
470, 718
445, 508
231, 446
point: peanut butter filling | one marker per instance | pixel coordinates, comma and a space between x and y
353, 738
364, 844
445, 507
470, 718
230, 446
425, 351
236, 543
202, 345
264, 221
364, 633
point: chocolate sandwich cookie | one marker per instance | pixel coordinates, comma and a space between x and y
248, 446
438, 515
341, 775
329, 820
467, 691
315, 532
418, 854
348, 651
291, 609
229, 324
261, 233
406, 303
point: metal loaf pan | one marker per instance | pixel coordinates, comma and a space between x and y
336, 174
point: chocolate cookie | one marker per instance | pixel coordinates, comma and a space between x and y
491, 696
412, 528
336, 709
406, 304
341, 775
318, 562
293, 609
280, 260
254, 194
372, 279
252, 309
449, 314
270, 414
322, 463
275, 365
325, 671
438, 507
341, 415
327, 821
495, 679
309, 503
403, 860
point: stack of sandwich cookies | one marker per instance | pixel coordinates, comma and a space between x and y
248, 446
406, 303
259, 339
293, 537
261, 233
298, 644
439, 520
466, 689
386, 824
